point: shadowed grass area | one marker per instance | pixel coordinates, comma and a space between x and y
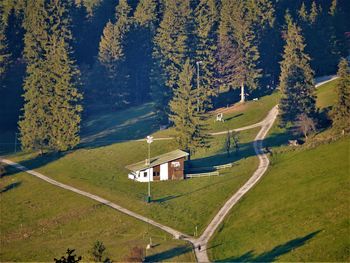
40, 221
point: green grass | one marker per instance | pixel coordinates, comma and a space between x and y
132, 123
298, 212
40, 221
249, 113
179, 204
326, 94
299, 209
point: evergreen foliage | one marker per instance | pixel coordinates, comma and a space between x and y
70, 258
140, 48
189, 123
341, 111
171, 40
51, 117
4, 52
239, 22
170, 51
146, 13
111, 50
112, 55
207, 17
296, 79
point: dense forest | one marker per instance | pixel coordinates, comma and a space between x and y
62, 59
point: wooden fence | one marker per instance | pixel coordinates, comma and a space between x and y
216, 173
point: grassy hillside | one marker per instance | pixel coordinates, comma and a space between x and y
180, 204
242, 115
298, 212
326, 94
98, 167
40, 221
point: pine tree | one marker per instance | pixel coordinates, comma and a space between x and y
146, 13
170, 50
296, 79
207, 18
314, 13
160, 93
171, 40
333, 8
4, 52
240, 20
110, 49
187, 120
51, 118
140, 48
34, 124
341, 111
112, 55
303, 14
122, 16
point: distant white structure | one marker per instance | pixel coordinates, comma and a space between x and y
169, 166
220, 117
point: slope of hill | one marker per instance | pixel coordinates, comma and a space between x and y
40, 221
299, 210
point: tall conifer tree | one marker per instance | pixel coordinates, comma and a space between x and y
112, 55
296, 79
171, 40
146, 13
140, 48
170, 51
206, 14
51, 118
188, 121
110, 49
240, 20
341, 111
4, 52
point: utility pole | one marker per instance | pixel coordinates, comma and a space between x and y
149, 141
198, 92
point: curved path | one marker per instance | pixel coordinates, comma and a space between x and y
203, 240
209, 231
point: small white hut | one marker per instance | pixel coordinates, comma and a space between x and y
169, 166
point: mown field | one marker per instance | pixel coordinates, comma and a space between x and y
39, 222
299, 210
180, 204
98, 167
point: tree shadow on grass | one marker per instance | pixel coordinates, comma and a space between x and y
233, 117
10, 187
100, 130
246, 150
34, 163
166, 198
168, 254
273, 254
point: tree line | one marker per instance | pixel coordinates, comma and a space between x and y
179, 54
